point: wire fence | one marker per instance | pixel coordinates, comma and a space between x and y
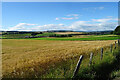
117, 44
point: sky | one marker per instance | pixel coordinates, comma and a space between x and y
60, 0
76, 16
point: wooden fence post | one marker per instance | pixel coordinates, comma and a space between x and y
78, 66
115, 45
111, 48
118, 42
101, 53
91, 56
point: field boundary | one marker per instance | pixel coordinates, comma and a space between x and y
77, 69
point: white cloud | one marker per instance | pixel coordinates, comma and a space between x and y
21, 26
92, 25
100, 8
86, 26
98, 25
73, 15
69, 17
94, 8
49, 27
100, 20
109, 16
56, 18
104, 20
34, 27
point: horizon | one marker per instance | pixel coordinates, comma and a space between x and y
56, 31
44, 16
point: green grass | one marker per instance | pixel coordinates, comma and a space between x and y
82, 39
99, 70
1, 37
116, 74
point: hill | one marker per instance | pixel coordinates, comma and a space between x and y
117, 30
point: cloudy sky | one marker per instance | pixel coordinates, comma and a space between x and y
42, 16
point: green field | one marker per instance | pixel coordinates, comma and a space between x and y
73, 38
90, 38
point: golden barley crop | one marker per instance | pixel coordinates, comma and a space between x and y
22, 57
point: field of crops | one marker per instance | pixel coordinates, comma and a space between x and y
83, 38
32, 58
73, 38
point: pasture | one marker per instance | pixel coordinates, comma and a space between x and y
83, 38
33, 58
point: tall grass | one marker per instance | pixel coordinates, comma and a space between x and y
99, 70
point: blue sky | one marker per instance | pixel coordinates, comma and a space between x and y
60, 0
40, 16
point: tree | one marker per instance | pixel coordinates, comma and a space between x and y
117, 30
40, 33
33, 34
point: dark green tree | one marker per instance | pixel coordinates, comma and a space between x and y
34, 34
117, 30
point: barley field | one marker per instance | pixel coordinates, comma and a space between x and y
26, 57
68, 32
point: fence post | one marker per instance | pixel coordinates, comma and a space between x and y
111, 48
91, 56
77, 67
101, 53
118, 42
115, 45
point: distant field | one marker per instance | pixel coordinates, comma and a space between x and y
74, 38
60, 36
68, 32
83, 38
26, 57
19, 36
15, 35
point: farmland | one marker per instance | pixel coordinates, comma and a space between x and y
32, 58
42, 57
62, 36
66, 40
83, 38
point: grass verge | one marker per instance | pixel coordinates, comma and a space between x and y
103, 69
99, 70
